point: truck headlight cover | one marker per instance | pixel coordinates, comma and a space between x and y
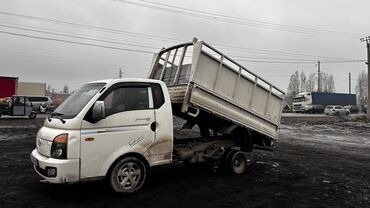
59, 147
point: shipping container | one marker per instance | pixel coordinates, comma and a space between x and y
8, 86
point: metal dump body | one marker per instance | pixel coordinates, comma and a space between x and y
201, 78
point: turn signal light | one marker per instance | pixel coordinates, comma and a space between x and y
61, 139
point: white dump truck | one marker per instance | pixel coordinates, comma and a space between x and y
118, 129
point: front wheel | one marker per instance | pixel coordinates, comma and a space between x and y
128, 175
32, 115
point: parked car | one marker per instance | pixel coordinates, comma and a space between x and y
335, 110
364, 109
41, 103
313, 109
352, 108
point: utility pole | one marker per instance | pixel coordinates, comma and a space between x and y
367, 40
319, 77
120, 73
349, 84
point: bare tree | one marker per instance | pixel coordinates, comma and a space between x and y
303, 82
361, 88
328, 83
293, 88
311, 82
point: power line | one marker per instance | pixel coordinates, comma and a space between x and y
115, 42
141, 51
77, 34
74, 42
251, 20
297, 62
150, 36
111, 30
74, 36
241, 21
280, 52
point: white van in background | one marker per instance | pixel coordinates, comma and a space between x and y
41, 103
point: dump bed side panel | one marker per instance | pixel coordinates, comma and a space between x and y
230, 91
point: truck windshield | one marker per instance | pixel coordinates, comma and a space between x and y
75, 102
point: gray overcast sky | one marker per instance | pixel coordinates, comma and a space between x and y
60, 63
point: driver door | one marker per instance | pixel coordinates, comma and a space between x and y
126, 128
18, 106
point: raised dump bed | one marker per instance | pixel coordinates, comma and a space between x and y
210, 89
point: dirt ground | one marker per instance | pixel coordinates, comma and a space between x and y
318, 162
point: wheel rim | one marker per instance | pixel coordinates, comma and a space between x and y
129, 175
239, 163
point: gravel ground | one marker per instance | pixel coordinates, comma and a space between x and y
319, 161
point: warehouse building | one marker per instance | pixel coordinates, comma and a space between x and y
30, 88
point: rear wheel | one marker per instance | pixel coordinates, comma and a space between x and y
128, 175
237, 162
32, 115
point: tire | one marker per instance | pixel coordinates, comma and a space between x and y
237, 162
347, 113
32, 115
128, 175
337, 113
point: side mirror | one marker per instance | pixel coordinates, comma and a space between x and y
98, 110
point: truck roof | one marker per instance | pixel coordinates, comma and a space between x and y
127, 80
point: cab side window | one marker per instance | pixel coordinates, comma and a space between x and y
126, 99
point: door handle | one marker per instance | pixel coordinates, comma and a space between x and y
153, 126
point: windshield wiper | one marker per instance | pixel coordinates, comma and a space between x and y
57, 114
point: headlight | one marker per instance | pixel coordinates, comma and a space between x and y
59, 147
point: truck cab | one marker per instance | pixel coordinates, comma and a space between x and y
300, 102
115, 128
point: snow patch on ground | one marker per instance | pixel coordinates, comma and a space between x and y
329, 134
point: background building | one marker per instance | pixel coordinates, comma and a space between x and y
30, 88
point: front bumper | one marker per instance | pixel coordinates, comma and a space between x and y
67, 171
